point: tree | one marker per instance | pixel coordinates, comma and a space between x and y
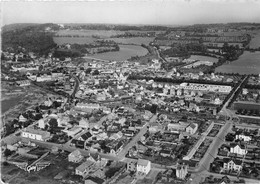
95, 72
40, 68
88, 70
53, 123
111, 172
8, 152
3, 57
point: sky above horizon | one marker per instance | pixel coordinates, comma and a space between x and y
161, 12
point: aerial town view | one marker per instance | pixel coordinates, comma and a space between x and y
130, 92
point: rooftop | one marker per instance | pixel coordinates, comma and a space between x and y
84, 165
143, 162
38, 132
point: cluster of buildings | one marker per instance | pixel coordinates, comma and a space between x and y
238, 154
189, 97
91, 165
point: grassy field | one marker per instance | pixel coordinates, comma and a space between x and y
248, 63
255, 42
71, 40
126, 52
90, 33
204, 58
134, 40
87, 40
59, 163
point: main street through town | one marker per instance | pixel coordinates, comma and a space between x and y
212, 151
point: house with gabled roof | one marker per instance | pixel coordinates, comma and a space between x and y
94, 157
84, 123
225, 180
115, 147
75, 156
192, 128
181, 171
97, 160
35, 134
165, 153
143, 166
84, 169
85, 136
232, 164
245, 136
238, 149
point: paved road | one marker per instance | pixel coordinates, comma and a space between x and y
136, 138
212, 151
158, 54
213, 148
198, 143
224, 110
196, 178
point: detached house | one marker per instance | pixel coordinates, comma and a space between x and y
245, 136
83, 123
115, 147
143, 166
165, 153
97, 160
131, 166
181, 171
75, 156
85, 136
129, 133
39, 135
238, 149
230, 164
192, 128
84, 169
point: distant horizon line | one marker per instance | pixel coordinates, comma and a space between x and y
133, 24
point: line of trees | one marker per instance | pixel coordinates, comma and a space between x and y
231, 52
237, 92
177, 81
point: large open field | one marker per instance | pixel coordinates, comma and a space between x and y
248, 63
90, 33
86, 37
204, 58
255, 42
134, 40
87, 40
126, 52
14, 175
72, 40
